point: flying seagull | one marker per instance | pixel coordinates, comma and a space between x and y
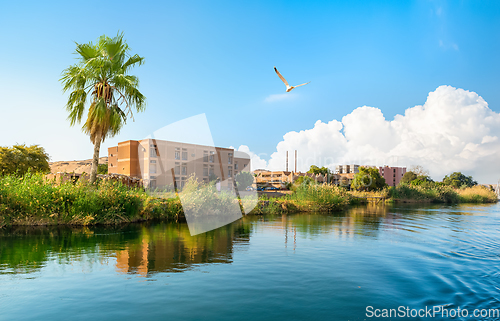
288, 87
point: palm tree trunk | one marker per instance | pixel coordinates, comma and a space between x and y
95, 160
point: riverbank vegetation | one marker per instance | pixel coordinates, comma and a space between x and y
307, 197
31, 199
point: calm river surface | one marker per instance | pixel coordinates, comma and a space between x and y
297, 267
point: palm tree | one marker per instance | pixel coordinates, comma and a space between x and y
100, 78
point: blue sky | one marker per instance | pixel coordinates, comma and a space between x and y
217, 57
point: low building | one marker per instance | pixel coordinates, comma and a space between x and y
161, 163
279, 179
392, 175
343, 179
347, 169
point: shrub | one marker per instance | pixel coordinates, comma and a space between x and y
33, 200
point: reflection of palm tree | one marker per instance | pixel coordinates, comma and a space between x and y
101, 74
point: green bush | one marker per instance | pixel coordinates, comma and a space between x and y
20, 159
422, 192
33, 200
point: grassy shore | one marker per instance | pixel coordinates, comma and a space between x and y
331, 198
32, 200
441, 194
307, 198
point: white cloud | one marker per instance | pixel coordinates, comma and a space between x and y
256, 162
454, 130
279, 97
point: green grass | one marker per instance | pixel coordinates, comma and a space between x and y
434, 194
306, 198
32, 200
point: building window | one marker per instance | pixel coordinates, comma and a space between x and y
211, 170
230, 171
184, 154
205, 156
184, 169
177, 169
177, 153
230, 158
153, 152
152, 168
183, 182
205, 170
211, 159
152, 183
235, 166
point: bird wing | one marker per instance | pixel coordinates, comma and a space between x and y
281, 77
301, 84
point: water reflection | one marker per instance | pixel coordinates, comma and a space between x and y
304, 266
150, 248
143, 249
171, 248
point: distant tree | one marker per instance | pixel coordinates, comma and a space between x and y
368, 179
19, 159
243, 180
319, 170
304, 180
213, 178
102, 169
457, 180
417, 175
419, 170
408, 177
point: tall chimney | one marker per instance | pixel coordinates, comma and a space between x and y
287, 161
295, 161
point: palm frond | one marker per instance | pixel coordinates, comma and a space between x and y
87, 51
132, 61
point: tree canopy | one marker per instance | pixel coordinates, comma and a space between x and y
101, 78
319, 170
419, 170
417, 175
19, 159
368, 179
102, 169
244, 179
408, 177
457, 180
304, 180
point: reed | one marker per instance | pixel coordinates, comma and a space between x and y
477, 194
32, 200
306, 198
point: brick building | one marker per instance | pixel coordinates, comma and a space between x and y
161, 163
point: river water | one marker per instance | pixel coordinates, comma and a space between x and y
340, 266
